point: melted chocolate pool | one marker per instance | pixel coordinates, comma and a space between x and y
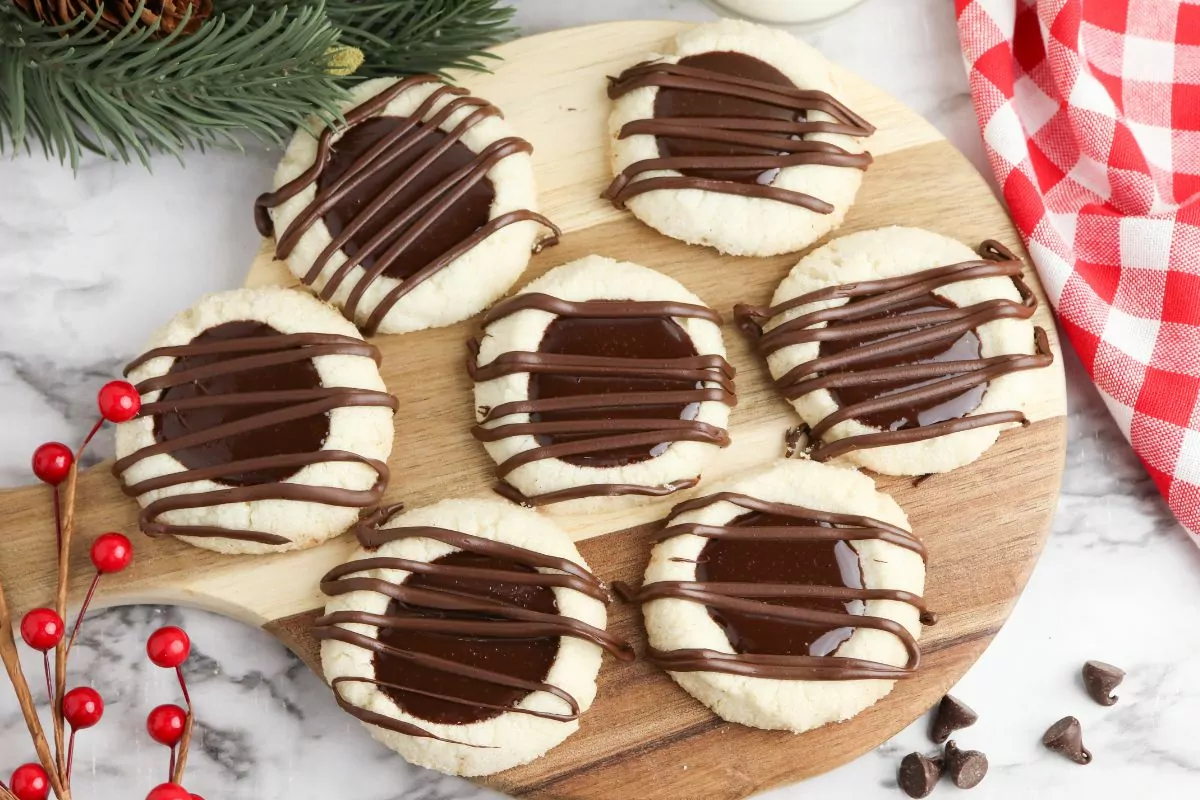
527, 659
963, 347
466, 215
305, 435
628, 337
684, 103
809, 563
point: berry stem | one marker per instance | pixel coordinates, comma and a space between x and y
60, 606
16, 676
171, 768
180, 764
87, 439
87, 601
70, 755
57, 516
6, 793
183, 685
49, 680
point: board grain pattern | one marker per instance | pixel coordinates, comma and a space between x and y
984, 524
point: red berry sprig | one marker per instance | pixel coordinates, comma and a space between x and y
52, 462
165, 724
111, 552
169, 791
83, 707
169, 647
30, 782
119, 401
171, 725
44, 629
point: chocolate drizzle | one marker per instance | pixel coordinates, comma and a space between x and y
728, 123
400, 196
466, 636
613, 382
243, 405
897, 356
761, 617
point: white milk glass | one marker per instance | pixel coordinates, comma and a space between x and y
787, 11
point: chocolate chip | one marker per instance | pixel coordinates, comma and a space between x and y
919, 774
1100, 679
952, 714
1066, 737
967, 768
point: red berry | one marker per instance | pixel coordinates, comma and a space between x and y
82, 707
51, 462
118, 401
111, 552
30, 782
197, 797
42, 629
168, 647
166, 723
169, 791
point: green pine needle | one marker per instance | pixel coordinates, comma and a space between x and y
260, 66
406, 37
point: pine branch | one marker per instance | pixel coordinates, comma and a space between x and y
406, 37
127, 95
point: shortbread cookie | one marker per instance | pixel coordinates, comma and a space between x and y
264, 424
420, 212
600, 379
466, 635
787, 599
736, 140
903, 350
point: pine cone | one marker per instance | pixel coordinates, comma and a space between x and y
116, 14
168, 13
60, 12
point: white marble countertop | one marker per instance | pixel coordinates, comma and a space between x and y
91, 264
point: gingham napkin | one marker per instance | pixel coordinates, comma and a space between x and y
1090, 111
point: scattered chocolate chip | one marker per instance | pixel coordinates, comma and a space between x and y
917, 481
929, 617
919, 774
1100, 679
952, 714
1066, 737
967, 768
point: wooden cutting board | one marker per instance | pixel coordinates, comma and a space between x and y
644, 738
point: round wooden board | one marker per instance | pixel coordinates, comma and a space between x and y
984, 524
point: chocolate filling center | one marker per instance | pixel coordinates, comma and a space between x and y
526, 659
305, 435
954, 347
465, 215
612, 337
760, 561
684, 103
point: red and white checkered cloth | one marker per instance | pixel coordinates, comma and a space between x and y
1090, 111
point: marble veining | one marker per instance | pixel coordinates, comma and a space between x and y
90, 265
